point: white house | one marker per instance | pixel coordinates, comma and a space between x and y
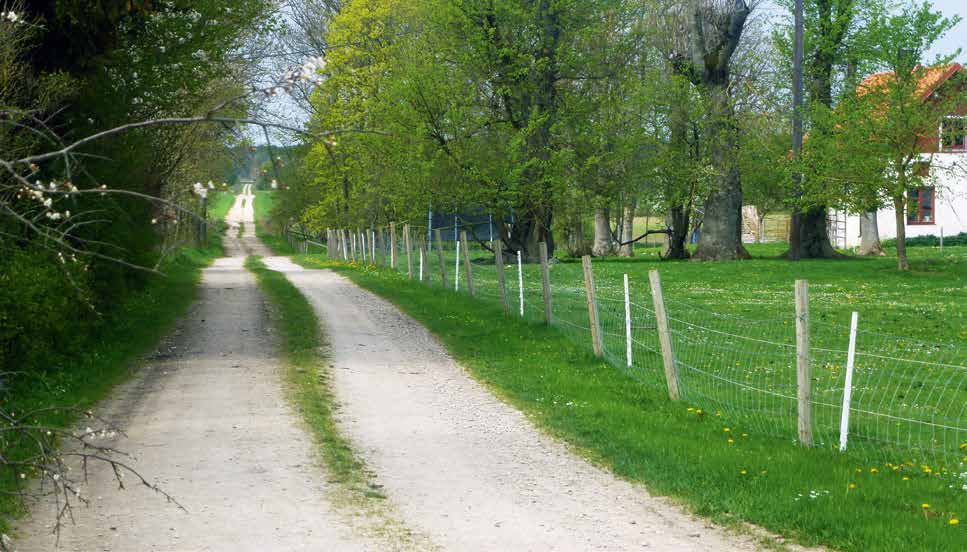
941, 207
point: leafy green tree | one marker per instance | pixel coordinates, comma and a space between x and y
878, 138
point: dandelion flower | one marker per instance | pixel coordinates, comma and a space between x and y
905, 478
743, 472
852, 485
954, 521
925, 506
725, 429
874, 471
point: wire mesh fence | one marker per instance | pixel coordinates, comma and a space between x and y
908, 399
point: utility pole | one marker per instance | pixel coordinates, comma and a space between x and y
795, 232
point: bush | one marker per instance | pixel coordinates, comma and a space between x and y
42, 310
931, 241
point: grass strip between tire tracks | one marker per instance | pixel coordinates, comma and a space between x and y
308, 381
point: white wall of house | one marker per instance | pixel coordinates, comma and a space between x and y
949, 176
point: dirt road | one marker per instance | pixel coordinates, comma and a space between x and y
206, 418
463, 467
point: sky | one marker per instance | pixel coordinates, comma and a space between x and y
957, 37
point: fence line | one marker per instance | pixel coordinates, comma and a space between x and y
903, 401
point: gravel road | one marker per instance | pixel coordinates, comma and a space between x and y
463, 467
207, 419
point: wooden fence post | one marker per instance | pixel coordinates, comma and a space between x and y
409, 251
501, 280
392, 245
466, 262
592, 307
382, 246
803, 365
546, 283
664, 335
439, 254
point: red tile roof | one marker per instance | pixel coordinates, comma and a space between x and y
932, 79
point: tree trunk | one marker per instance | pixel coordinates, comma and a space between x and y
814, 235
721, 237
899, 206
760, 225
716, 29
870, 236
627, 229
678, 222
577, 246
526, 233
603, 244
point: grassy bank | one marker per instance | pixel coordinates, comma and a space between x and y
720, 469
109, 356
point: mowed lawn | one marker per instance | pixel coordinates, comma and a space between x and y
728, 448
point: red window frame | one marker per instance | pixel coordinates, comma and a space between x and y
958, 127
916, 213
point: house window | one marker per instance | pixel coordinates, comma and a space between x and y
953, 134
920, 206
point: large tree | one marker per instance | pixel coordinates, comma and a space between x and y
715, 29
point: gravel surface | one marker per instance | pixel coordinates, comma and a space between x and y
463, 467
207, 420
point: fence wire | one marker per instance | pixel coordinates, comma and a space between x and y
909, 398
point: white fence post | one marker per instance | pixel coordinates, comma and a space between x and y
628, 321
456, 270
848, 386
520, 283
421, 264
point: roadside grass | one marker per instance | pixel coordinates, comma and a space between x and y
262, 206
308, 378
110, 357
815, 496
219, 207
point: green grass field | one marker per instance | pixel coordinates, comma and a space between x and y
623, 418
733, 330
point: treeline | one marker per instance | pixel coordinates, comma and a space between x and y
557, 115
69, 70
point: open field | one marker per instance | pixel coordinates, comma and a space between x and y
733, 332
